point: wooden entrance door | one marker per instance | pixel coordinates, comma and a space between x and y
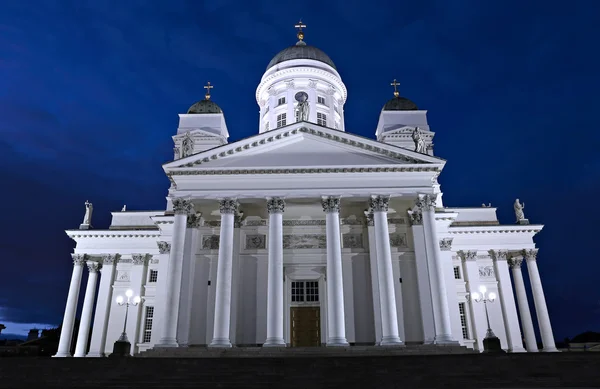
305, 326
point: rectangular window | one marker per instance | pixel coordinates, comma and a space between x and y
305, 291
281, 120
456, 273
153, 276
321, 119
321, 100
147, 334
463, 320
281, 101
297, 291
312, 291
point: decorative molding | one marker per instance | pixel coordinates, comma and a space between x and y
493, 230
210, 242
470, 255
352, 241
164, 247
139, 259
109, 259
109, 234
306, 241
78, 259
416, 217
300, 171
125, 260
530, 255
275, 205
228, 206
256, 242
299, 222
398, 240
93, 267
194, 220
331, 204
257, 223
515, 262
486, 272
182, 206
352, 221
446, 244
379, 203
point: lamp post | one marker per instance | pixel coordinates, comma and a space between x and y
122, 347
491, 343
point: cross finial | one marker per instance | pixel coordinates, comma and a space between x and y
395, 85
300, 34
208, 87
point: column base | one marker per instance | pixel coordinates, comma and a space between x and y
220, 342
533, 350
445, 340
95, 355
62, 355
337, 342
167, 342
274, 342
393, 341
550, 350
517, 350
78, 355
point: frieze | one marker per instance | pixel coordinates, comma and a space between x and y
210, 242
352, 241
486, 271
304, 222
351, 222
257, 223
398, 240
255, 242
306, 241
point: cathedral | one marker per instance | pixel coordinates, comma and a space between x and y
304, 235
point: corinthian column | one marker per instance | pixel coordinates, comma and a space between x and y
540, 301
228, 208
275, 206
385, 275
107, 272
182, 208
443, 330
86, 313
64, 344
526, 322
336, 327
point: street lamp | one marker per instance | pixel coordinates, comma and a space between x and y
122, 347
491, 343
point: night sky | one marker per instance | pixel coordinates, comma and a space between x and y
90, 92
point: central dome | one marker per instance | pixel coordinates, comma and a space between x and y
301, 51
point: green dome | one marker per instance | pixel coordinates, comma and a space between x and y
301, 51
400, 104
204, 106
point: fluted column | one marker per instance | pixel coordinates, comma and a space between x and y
507, 302
385, 275
181, 208
66, 333
539, 300
107, 271
336, 327
443, 331
374, 276
86, 313
228, 208
526, 322
275, 206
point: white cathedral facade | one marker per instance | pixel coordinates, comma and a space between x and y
304, 235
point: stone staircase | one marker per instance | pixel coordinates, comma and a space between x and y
538, 370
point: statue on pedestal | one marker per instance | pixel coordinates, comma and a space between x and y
520, 215
87, 218
419, 142
302, 108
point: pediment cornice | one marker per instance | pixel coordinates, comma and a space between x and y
511, 229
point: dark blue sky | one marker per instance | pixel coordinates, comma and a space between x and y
90, 92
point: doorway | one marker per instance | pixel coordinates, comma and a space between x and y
305, 326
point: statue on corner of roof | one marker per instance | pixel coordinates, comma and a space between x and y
519, 213
87, 219
419, 142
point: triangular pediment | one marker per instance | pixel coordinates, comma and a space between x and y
403, 130
303, 146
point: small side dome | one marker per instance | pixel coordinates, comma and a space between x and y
400, 104
204, 106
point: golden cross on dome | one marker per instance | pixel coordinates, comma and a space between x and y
300, 26
208, 87
395, 85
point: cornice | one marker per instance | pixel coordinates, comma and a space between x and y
75, 234
302, 171
512, 229
334, 79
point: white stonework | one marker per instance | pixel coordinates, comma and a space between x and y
355, 226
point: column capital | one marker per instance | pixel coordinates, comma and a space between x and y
331, 204
515, 262
379, 203
93, 266
530, 255
469, 255
182, 206
415, 217
139, 259
427, 202
78, 259
194, 220
446, 244
228, 205
164, 247
275, 205
370, 220
109, 259
499, 255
